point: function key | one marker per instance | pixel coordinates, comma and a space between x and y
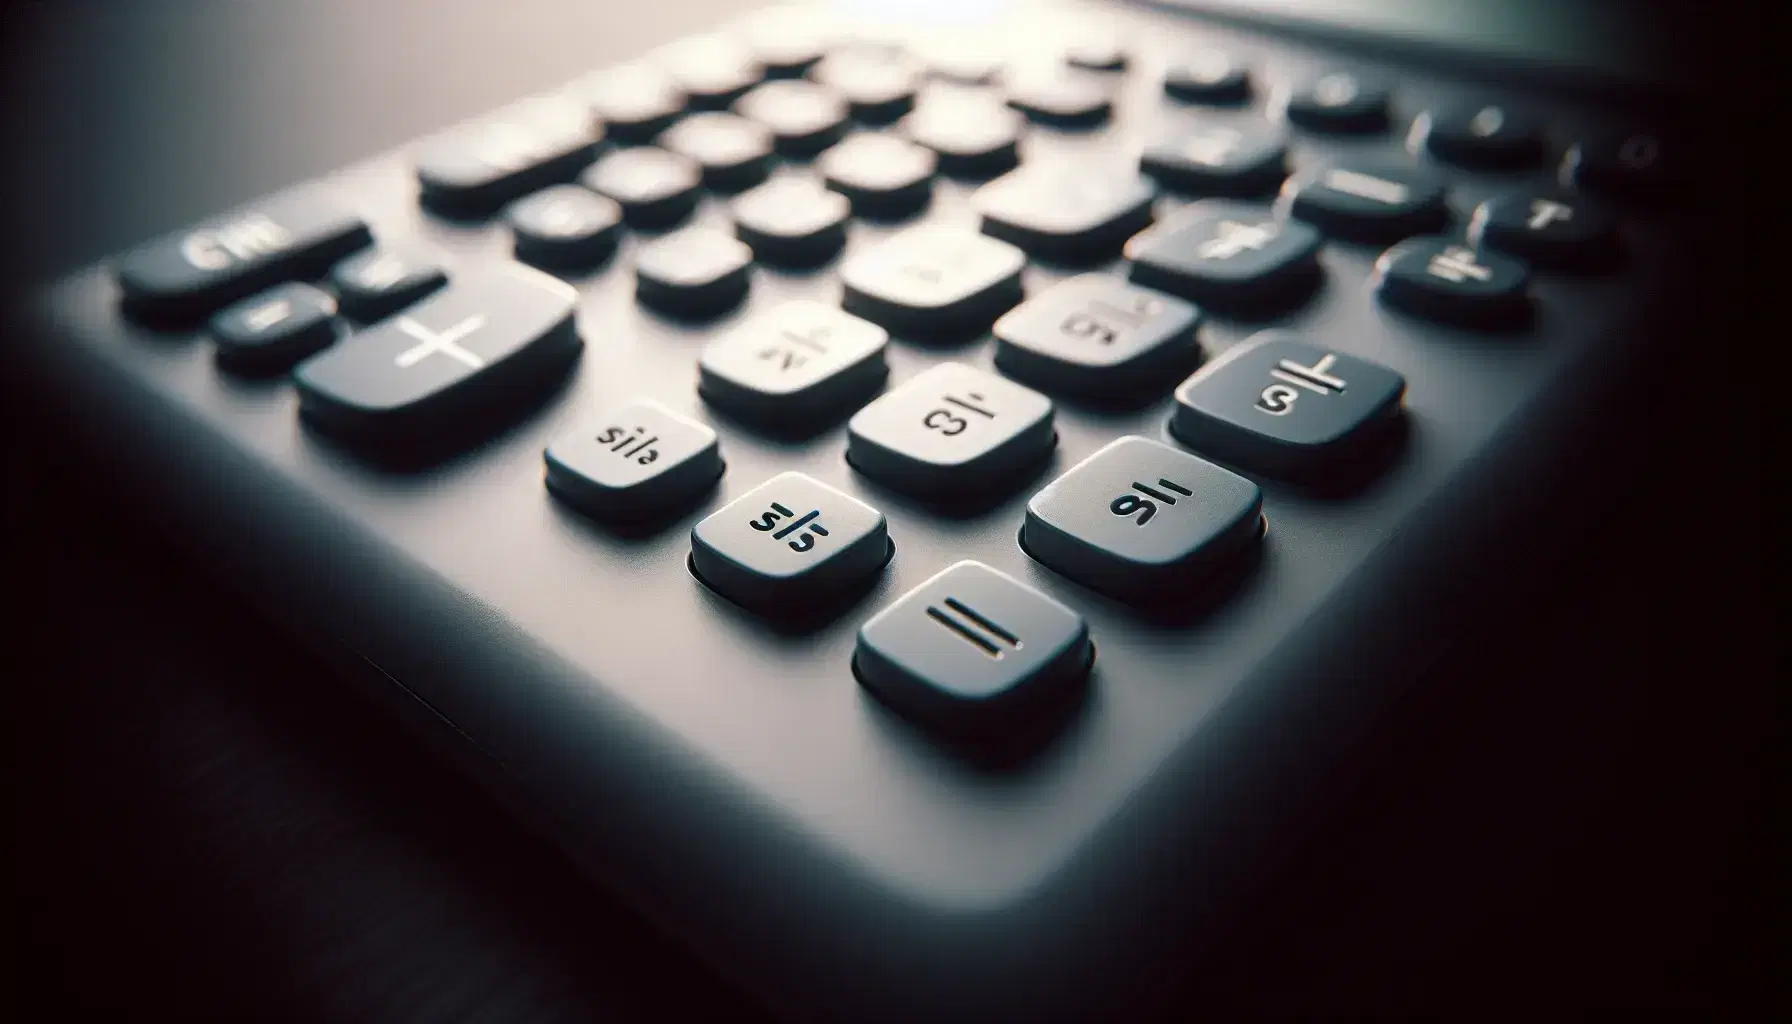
790, 547
472, 347
1549, 229
375, 284
713, 71
881, 175
1488, 136
1637, 165
735, 153
1280, 406
970, 131
788, 41
655, 188
1207, 75
1369, 201
974, 650
1340, 102
476, 169
1065, 99
564, 226
1445, 280
1228, 255
1066, 211
640, 460
635, 102
1098, 336
878, 81
693, 273
791, 221
951, 431
188, 274
267, 333
933, 280
1141, 521
804, 118
1096, 49
1244, 161
795, 364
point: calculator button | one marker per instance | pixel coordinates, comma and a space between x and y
1066, 212
1096, 50
1549, 229
379, 282
787, 41
791, 221
693, 273
971, 132
1637, 165
878, 82
190, 273
635, 461
789, 545
1228, 255
1207, 75
880, 175
472, 345
1444, 280
1067, 99
712, 71
794, 364
564, 226
973, 649
1140, 520
634, 102
1489, 136
963, 63
476, 169
1098, 336
933, 279
269, 332
804, 118
655, 188
1219, 160
951, 430
733, 152
1283, 407
1369, 201
1339, 102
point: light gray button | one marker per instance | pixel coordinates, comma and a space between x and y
1097, 335
794, 363
789, 545
635, 460
951, 430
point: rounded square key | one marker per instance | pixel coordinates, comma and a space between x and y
634, 102
1282, 406
634, 461
1067, 99
1442, 280
564, 226
973, 648
1207, 75
933, 279
1369, 201
789, 40
951, 430
1140, 520
735, 153
1228, 255
656, 189
693, 272
268, 333
1550, 229
1339, 101
1483, 135
881, 175
792, 221
1098, 336
1066, 211
971, 132
374, 284
1096, 49
788, 546
1632, 164
713, 71
878, 82
1219, 160
799, 362
477, 168
804, 118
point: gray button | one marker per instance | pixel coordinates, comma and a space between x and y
1066, 211
693, 273
789, 546
267, 333
1096, 335
933, 279
373, 285
1140, 520
951, 430
634, 461
973, 647
794, 363
1228, 255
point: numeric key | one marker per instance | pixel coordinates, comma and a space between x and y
636, 461
933, 280
804, 118
790, 547
693, 273
951, 431
880, 175
475, 169
656, 189
878, 82
735, 153
1098, 336
796, 364
972, 134
564, 226
791, 221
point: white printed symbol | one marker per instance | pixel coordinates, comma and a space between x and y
446, 342
1234, 238
1639, 151
1457, 264
1211, 148
1334, 90
254, 236
1279, 399
1489, 121
1545, 212
263, 317
1366, 186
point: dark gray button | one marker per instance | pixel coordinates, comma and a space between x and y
693, 273
1631, 164
1068, 99
656, 189
933, 280
564, 226
375, 284
951, 430
796, 363
189, 274
804, 118
1207, 75
1098, 336
1490, 136
1141, 521
637, 461
1281, 406
1219, 160
1550, 229
477, 168
634, 102
880, 175
1340, 101
791, 221
1228, 255
789, 547
878, 82
1369, 201
713, 71
970, 131
1445, 280
1066, 212
972, 649
735, 153
472, 347
267, 333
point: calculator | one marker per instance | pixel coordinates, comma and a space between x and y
911, 499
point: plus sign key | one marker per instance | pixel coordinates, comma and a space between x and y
472, 347
1228, 255
790, 547
1443, 280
